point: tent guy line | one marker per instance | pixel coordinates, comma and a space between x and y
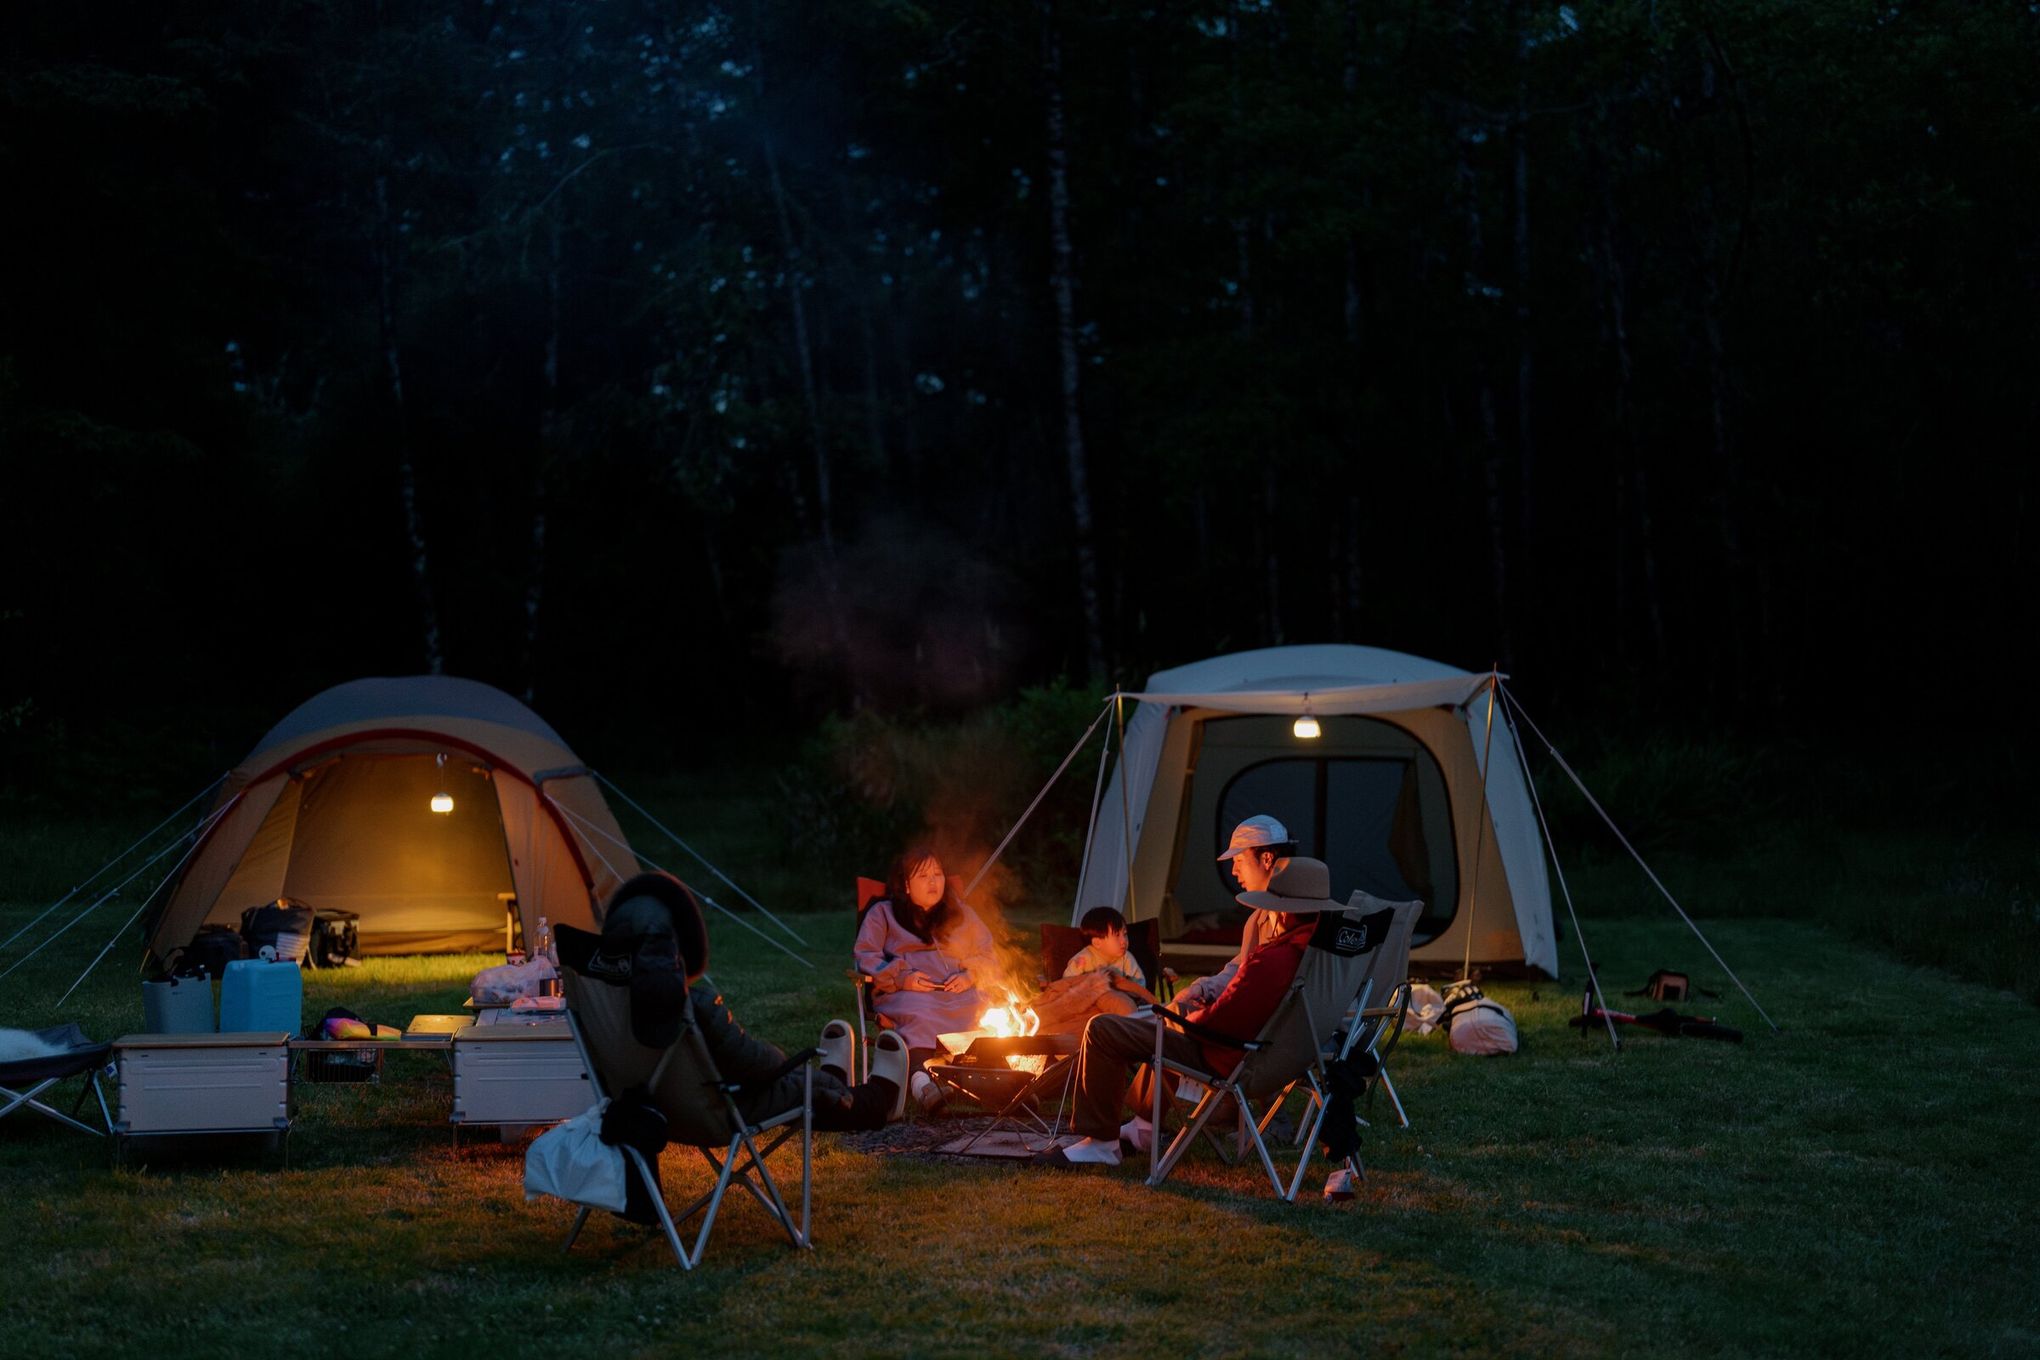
1021, 821
581, 822
196, 836
610, 784
141, 840
1564, 889
1595, 803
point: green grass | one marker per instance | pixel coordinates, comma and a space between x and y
1861, 1183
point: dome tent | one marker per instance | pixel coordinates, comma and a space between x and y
335, 806
1392, 796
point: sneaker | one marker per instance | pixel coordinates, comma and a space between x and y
1339, 1186
927, 1092
835, 1044
1136, 1135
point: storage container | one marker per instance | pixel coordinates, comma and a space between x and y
256, 995
516, 1074
203, 1083
178, 1006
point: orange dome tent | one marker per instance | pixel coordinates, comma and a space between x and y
344, 804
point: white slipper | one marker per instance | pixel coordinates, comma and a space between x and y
889, 1061
836, 1044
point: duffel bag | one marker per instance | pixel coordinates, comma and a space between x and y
208, 955
336, 938
1477, 1025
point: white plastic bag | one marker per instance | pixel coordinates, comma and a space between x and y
503, 984
572, 1162
1427, 1008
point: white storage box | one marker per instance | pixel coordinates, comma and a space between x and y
513, 1073
203, 1083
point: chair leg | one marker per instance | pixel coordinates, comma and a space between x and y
1199, 1117
28, 1098
666, 1223
580, 1222
1260, 1145
1388, 1084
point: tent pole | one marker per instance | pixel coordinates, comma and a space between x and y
1091, 827
88, 882
590, 826
1551, 848
610, 785
1480, 827
1014, 830
1648, 871
1125, 808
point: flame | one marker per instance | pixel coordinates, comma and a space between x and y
1014, 1020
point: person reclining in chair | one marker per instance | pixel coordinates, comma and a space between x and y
1256, 846
1114, 1044
656, 920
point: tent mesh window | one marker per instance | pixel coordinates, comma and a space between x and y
1367, 799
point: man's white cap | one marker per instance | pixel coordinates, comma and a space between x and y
1254, 833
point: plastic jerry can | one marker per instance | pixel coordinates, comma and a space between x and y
259, 996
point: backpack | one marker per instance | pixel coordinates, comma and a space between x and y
1476, 1024
209, 954
284, 925
336, 938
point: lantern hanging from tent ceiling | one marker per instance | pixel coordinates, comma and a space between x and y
442, 801
1306, 727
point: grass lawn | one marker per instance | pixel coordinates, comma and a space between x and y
1863, 1183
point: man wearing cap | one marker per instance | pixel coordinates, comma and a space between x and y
1291, 896
1256, 844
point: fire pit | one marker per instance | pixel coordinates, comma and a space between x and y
996, 1071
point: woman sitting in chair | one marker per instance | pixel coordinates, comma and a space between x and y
924, 950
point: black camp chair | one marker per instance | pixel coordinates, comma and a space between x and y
24, 1079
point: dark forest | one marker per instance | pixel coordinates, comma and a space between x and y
648, 359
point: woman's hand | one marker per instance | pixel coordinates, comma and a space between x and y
913, 980
959, 983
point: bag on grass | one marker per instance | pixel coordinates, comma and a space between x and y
336, 938
209, 954
1477, 1025
284, 925
571, 1161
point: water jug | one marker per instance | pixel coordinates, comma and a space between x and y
260, 996
178, 1006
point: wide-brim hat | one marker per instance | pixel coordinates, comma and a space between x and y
1298, 885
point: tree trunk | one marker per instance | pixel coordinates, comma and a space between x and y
1492, 482
1526, 447
1062, 282
548, 437
393, 374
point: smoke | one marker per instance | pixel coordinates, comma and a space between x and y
915, 618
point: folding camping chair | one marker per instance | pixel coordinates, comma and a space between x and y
24, 1079
1369, 1029
702, 1112
1290, 1045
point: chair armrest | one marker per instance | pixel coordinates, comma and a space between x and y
794, 1062
1207, 1033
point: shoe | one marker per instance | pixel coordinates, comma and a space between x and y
1136, 1135
927, 1092
835, 1044
1083, 1152
889, 1062
1339, 1186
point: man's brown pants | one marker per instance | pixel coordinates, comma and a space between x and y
1113, 1046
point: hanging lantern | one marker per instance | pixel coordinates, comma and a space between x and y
1306, 727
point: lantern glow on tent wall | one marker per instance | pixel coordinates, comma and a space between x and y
1306, 727
442, 801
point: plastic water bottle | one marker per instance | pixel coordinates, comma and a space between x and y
545, 944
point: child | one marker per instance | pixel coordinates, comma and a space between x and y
1107, 951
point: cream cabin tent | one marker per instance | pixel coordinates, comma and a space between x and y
1390, 796
340, 806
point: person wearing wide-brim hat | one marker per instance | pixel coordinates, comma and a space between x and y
1297, 891
1255, 847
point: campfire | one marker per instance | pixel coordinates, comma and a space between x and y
1014, 1020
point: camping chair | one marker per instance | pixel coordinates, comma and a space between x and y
1290, 1045
24, 1079
701, 1111
1369, 1029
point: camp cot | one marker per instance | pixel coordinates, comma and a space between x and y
441, 811
1390, 795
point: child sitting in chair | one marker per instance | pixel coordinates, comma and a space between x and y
1108, 950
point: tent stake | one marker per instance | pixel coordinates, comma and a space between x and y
1594, 803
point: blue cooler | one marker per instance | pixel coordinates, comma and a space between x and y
257, 996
